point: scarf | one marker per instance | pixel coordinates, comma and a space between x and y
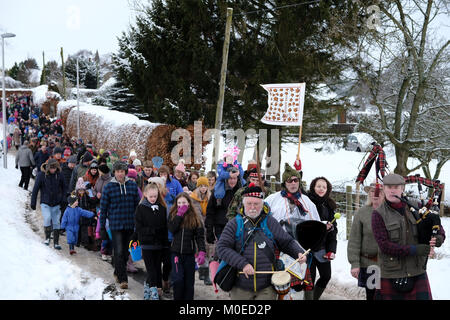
294, 198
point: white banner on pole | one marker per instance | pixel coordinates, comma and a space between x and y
285, 102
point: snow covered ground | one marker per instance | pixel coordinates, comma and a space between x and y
30, 270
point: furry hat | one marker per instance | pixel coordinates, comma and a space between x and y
52, 164
103, 168
120, 165
290, 172
180, 166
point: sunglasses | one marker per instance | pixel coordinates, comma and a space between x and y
292, 180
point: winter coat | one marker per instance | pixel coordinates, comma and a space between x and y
24, 157
92, 179
200, 205
118, 204
16, 137
186, 241
151, 225
51, 186
326, 213
362, 243
101, 183
228, 249
40, 158
174, 187
67, 174
71, 222
216, 214
283, 211
79, 171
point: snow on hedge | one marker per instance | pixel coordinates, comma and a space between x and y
41, 94
108, 129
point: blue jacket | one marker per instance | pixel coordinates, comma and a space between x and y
174, 187
71, 222
51, 186
118, 203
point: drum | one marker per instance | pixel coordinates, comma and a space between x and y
282, 283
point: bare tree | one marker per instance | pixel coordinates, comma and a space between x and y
404, 68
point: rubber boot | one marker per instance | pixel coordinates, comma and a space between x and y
147, 292
48, 232
309, 295
56, 239
205, 272
201, 273
318, 292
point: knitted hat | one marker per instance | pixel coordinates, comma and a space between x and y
132, 173
180, 166
289, 172
72, 159
103, 168
94, 165
137, 162
80, 184
161, 182
202, 181
253, 191
72, 198
87, 157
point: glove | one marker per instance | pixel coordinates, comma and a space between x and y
182, 210
210, 238
33, 207
329, 256
103, 234
201, 258
422, 249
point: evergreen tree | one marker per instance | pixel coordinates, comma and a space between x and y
171, 58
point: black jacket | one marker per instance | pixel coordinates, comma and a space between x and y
151, 225
67, 174
186, 241
216, 215
326, 213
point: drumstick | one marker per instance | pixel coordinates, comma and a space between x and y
261, 272
305, 253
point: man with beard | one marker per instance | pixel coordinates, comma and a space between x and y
262, 235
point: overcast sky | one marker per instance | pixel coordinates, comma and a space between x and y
48, 25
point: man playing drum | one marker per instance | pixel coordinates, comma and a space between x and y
257, 261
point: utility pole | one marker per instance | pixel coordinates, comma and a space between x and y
63, 75
223, 76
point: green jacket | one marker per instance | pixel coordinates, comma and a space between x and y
402, 232
361, 243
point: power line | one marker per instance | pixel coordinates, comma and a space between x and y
280, 7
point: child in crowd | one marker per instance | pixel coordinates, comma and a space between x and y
71, 221
225, 168
188, 237
151, 228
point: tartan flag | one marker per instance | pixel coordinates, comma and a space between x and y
285, 102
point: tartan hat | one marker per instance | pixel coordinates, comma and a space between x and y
253, 191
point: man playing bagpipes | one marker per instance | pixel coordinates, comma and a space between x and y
402, 258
